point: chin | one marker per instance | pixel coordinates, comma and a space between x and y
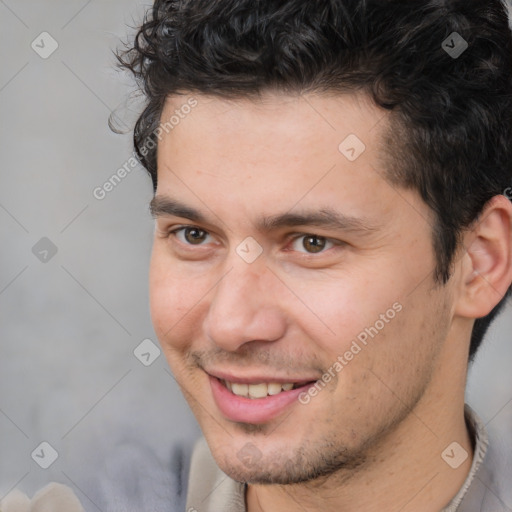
249, 465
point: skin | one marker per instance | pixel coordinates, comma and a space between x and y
372, 438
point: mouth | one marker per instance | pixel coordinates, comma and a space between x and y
255, 401
262, 389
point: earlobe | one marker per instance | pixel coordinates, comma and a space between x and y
487, 264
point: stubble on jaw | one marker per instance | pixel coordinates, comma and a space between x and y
316, 466
330, 462
298, 469
329, 459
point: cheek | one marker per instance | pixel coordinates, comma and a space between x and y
176, 302
343, 308
373, 325
400, 358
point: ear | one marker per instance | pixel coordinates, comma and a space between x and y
486, 267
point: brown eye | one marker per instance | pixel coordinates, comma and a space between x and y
194, 236
313, 243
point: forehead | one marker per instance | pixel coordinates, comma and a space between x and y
272, 128
274, 153
276, 116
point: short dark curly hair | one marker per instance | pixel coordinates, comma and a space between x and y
451, 115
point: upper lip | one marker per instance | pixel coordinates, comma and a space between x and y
258, 378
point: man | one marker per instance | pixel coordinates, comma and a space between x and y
333, 238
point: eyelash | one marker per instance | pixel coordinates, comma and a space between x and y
296, 237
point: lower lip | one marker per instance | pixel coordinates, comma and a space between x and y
249, 410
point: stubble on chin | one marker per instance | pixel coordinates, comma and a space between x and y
312, 465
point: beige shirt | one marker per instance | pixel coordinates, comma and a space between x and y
54, 497
484, 490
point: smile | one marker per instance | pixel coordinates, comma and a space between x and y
260, 390
255, 402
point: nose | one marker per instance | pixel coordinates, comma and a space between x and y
245, 307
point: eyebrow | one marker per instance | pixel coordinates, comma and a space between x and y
163, 206
323, 218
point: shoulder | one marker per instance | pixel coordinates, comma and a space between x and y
209, 488
495, 475
491, 489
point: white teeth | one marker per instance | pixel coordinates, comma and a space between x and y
257, 390
274, 388
239, 389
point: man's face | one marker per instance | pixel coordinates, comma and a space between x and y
283, 257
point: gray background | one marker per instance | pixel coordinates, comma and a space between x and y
69, 325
